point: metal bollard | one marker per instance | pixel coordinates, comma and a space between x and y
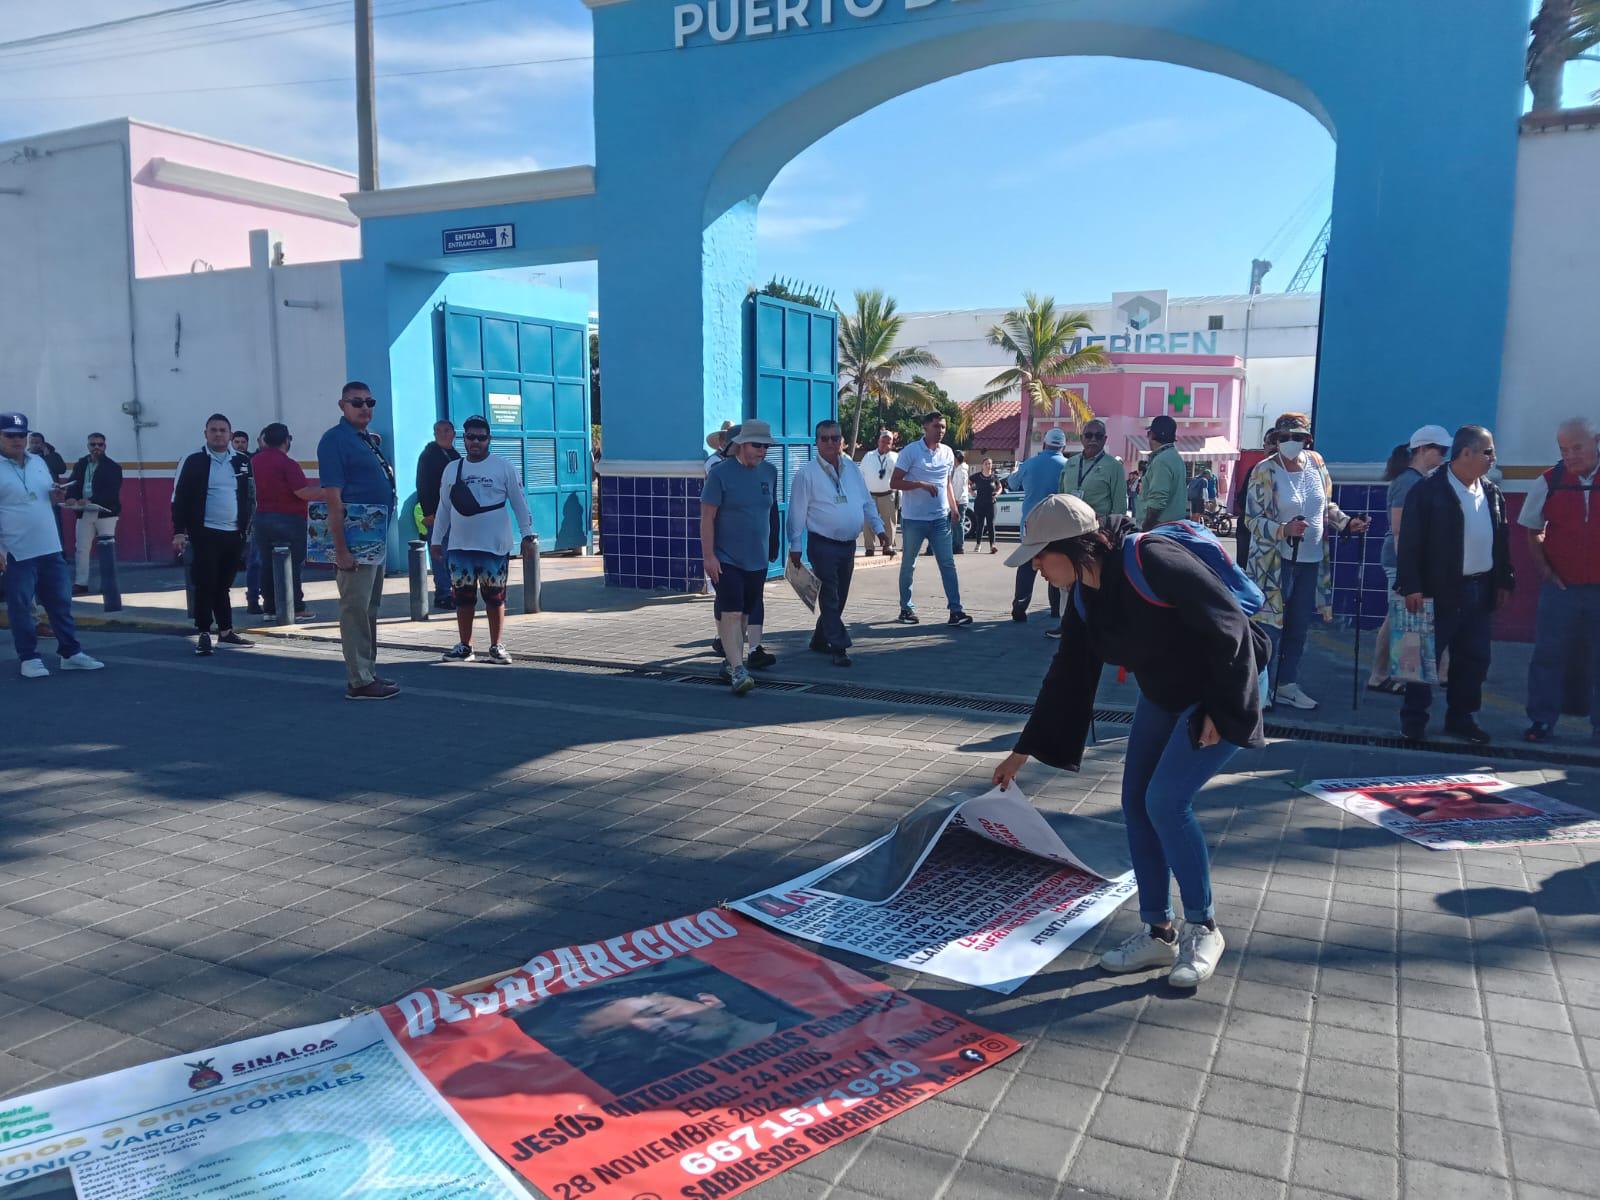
419, 580
110, 593
282, 586
531, 584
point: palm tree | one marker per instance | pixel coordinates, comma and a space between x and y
1040, 339
869, 364
1563, 30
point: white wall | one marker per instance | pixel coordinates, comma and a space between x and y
1549, 371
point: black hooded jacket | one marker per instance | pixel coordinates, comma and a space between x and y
1202, 651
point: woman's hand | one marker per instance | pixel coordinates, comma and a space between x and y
1208, 733
1007, 770
1295, 528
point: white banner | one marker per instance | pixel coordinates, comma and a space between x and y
329, 1110
983, 890
1459, 812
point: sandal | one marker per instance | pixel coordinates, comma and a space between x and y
1390, 687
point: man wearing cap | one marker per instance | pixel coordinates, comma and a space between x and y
1037, 479
827, 503
1561, 515
922, 474
738, 538
30, 550
877, 468
1097, 476
1163, 492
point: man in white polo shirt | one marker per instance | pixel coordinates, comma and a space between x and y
877, 469
922, 472
827, 504
30, 549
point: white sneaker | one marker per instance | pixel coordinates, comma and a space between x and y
34, 668
1290, 694
81, 662
460, 652
1199, 951
498, 654
741, 681
1139, 953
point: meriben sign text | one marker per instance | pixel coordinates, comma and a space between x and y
727, 20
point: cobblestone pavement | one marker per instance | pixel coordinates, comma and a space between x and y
195, 851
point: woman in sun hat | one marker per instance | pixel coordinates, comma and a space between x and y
1198, 661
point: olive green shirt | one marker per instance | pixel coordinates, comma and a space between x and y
1100, 482
1165, 490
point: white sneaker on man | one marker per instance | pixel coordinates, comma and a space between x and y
1199, 951
499, 654
1140, 952
81, 662
34, 668
1290, 694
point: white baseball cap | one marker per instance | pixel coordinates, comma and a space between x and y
1054, 518
1055, 438
1430, 435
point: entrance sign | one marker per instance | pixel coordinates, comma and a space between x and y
505, 408
984, 890
480, 237
693, 1059
1459, 812
731, 20
327, 1110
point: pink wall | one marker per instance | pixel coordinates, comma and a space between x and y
1127, 397
173, 228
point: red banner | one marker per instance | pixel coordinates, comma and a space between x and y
692, 1059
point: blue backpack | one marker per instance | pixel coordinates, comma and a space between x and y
1204, 545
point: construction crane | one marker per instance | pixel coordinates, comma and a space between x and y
1312, 262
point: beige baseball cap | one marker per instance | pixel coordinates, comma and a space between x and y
1056, 518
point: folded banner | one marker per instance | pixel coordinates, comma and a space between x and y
984, 890
1411, 642
692, 1059
327, 1110
1459, 812
366, 533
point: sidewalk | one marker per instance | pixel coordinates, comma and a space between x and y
1389, 1023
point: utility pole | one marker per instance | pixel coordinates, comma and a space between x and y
366, 105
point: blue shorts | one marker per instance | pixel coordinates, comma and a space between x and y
472, 571
739, 592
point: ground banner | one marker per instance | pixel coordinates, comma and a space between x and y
690, 1060
985, 890
327, 1110
1459, 812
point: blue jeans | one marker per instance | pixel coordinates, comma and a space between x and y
252, 573
937, 536
1464, 630
1299, 610
1563, 615
50, 579
279, 529
1160, 778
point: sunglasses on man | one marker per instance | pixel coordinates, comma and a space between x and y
362, 402
475, 437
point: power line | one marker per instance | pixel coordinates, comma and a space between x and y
92, 44
120, 22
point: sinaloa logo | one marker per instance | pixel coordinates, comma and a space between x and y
204, 1074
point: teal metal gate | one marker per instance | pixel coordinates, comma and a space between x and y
794, 382
530, 380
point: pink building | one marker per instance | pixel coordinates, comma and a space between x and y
1201, 392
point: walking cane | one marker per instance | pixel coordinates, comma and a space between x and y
1294, 560
1355, 662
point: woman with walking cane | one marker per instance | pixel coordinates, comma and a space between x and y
1289, 508
1170, 606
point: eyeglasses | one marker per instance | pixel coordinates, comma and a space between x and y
359, 402
1489, 453
8, 433
830, 437
761, 446
474, 437
1094, 437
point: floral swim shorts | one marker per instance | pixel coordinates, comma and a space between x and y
472, 571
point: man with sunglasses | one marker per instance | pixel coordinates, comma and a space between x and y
1096, 477
827, 502
96, 491
472, 534
353, 470
877, 468
30, 554
213, 501
1456, 552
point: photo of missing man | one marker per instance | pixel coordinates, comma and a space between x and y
1454, 803
629, 1031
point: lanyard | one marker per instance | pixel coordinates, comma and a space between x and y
835, 478
1092, 465
22, 476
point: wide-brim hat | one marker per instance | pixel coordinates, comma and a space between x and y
1053, 519
753, 431
714, 438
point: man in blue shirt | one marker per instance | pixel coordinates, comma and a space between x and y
738, 538
1037, 479
352, 470
928, 511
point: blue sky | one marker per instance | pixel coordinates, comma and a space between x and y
940, 196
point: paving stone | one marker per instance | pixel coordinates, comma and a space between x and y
1345, 1170
1466, 1147
1141, 1123
1109, 1169
1362, 1125
1200, 1181
1424, 1178
1239, 1147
